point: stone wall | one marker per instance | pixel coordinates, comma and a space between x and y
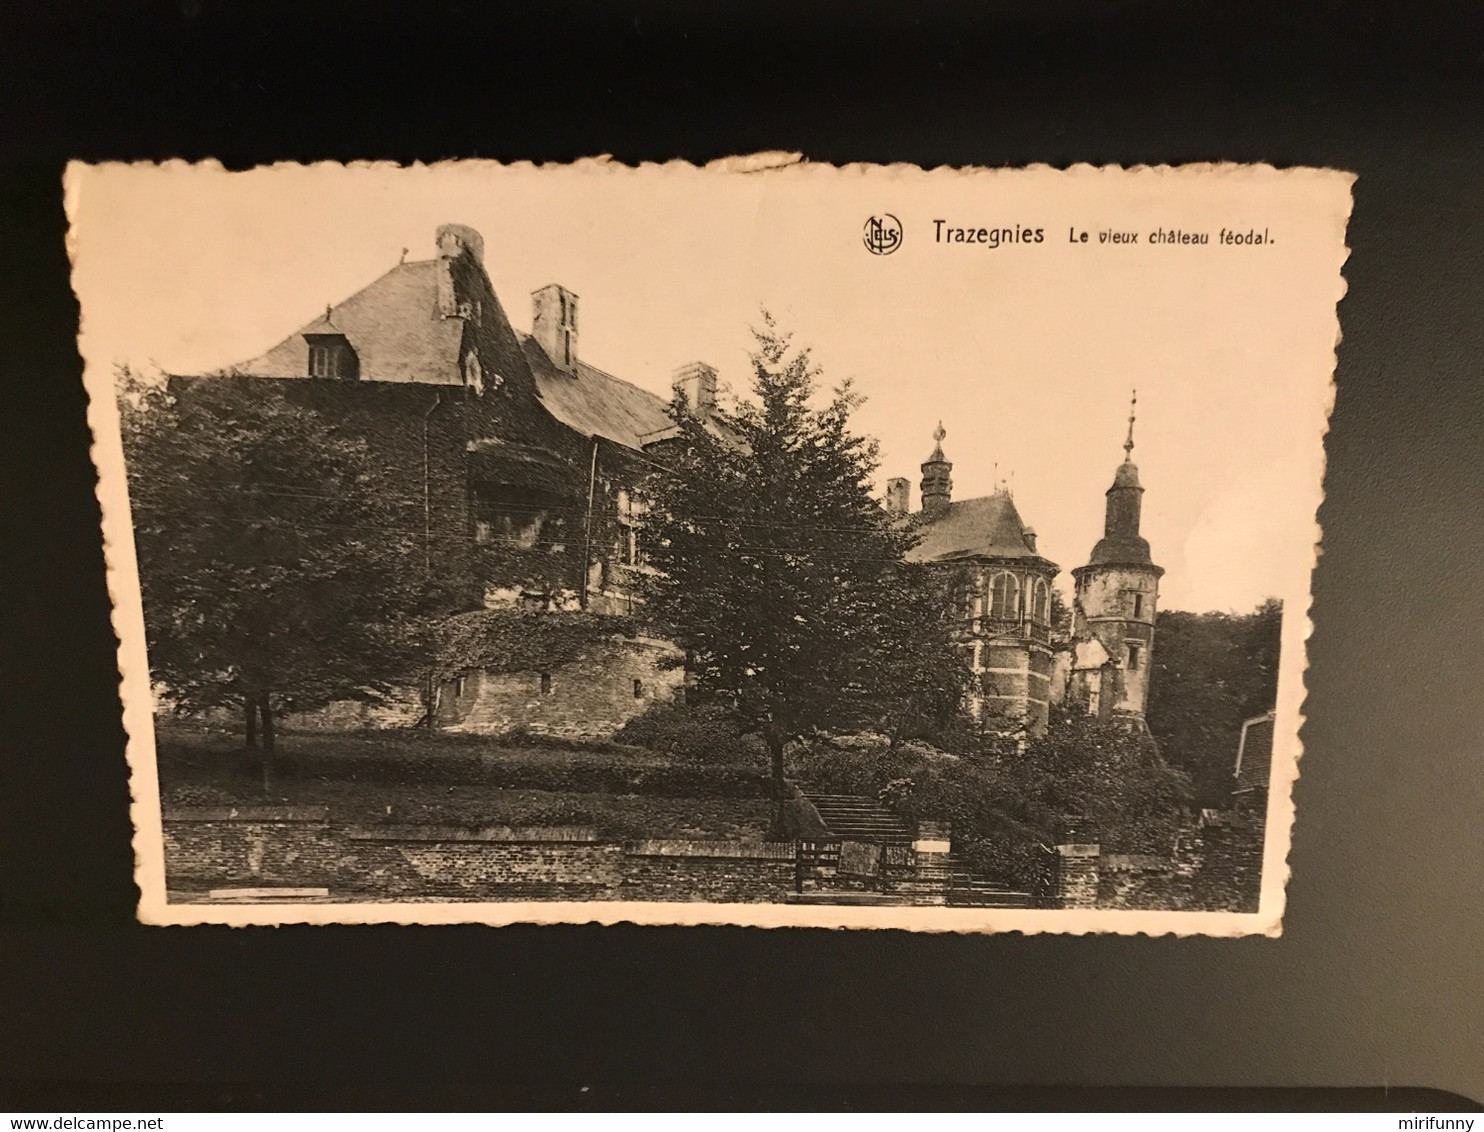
1145, 881
1216, 866
211, 847
718, 872
214, 848
591, 697
403, 707
495, 869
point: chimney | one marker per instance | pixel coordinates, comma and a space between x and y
696, 382
554, 325
455, 241
898, 497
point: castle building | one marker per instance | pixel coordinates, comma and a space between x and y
512, 462
1003, 619
509, 459
1117, 594
518, 453
1021, 665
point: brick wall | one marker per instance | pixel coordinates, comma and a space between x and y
1077, 876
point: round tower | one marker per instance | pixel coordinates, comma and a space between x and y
1117, 596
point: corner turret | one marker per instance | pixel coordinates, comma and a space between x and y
1117, 595
937, 482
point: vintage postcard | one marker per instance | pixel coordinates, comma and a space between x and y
766, 543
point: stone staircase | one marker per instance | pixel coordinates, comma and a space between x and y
854, 817
977, 892
933, 878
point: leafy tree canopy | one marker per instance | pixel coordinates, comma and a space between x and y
780, 575
273, 573
1211, 671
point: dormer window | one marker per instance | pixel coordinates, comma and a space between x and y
330, 355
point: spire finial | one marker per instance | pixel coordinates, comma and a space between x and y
938, 434
1128, 445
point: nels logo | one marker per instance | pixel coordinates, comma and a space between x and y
882, 234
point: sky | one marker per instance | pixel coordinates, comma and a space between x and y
1026, 352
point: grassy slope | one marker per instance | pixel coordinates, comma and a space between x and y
430, 777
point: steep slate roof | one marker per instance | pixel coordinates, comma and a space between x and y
393, 325
595, 403
988, 527
398, 335
1254, 754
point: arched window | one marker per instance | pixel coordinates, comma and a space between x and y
1040, 608
1004, 597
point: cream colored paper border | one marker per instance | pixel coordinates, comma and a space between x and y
128, 623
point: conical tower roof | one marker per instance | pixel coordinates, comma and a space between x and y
1121, 543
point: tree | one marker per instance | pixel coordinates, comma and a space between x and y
1211, 671
1101, 775
780, 576
913, 679
275, 576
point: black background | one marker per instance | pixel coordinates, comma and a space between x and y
1377, 979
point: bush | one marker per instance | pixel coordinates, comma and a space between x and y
1006, 805
696, 733
1026, 865
855, 766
